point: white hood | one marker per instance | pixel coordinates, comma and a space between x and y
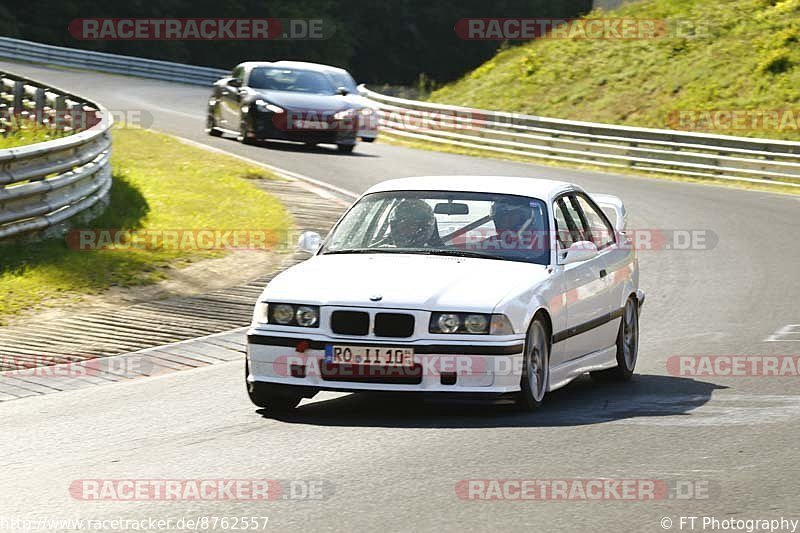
405, 281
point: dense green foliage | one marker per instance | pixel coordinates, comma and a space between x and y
381, 42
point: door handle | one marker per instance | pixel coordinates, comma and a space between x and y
603, 273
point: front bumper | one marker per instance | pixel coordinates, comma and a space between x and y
266, 125
448, 368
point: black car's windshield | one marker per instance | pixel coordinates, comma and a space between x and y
289, 79
343, 79
465, 224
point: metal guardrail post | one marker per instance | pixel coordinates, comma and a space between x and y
42, 185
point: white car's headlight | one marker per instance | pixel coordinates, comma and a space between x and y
281, 314
306, 316
448, 322
263, 105
366, 111
470, 324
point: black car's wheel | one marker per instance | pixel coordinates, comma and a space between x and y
273, 398
211, 126
346, 148
244, 136
627, 345
535, 367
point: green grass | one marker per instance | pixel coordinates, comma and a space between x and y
732, 55
28, 134
159, 183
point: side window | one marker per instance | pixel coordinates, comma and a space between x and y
568, 230
600, 231
238, 73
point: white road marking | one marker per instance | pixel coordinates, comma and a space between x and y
788, 333
721, 410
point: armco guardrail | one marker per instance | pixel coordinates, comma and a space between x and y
44, 184
664, 151
689, 154
20, 50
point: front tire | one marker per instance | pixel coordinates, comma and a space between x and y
627, 345
536, 367
273, 399
244, 132
211, 126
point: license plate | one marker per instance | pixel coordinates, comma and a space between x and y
369, 355
310, 125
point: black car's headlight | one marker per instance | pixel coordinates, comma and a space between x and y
470, 324
263, 105
345, 114
306, 316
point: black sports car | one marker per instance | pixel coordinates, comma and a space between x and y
291, 101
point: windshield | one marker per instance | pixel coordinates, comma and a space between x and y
343, 79
492, 226
292, 80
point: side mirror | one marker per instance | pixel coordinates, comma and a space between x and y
235, 82
342, 90
309, 242
579, 251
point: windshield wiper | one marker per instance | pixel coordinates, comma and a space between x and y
365, 251
459, 253
414, 251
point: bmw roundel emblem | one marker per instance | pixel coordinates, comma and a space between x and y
376, 297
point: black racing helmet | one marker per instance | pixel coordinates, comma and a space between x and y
412, 224
513, 214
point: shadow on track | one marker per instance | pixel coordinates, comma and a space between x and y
288, 146
581, 402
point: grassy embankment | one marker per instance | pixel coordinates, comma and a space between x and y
715, 56
159, 184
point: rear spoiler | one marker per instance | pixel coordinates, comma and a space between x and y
608, 202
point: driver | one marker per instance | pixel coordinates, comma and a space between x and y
412, 224
517, 223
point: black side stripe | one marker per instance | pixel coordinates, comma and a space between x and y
439, 349
587, 326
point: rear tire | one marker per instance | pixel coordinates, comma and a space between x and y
346, 148
627, 346
535, 367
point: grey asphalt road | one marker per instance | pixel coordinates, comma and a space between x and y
392, 464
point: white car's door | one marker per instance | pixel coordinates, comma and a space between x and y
587, 298
619, 259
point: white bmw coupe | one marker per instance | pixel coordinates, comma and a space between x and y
452, 284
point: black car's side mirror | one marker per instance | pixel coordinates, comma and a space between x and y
235, 82
342, 90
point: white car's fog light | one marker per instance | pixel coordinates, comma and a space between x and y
306, 316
